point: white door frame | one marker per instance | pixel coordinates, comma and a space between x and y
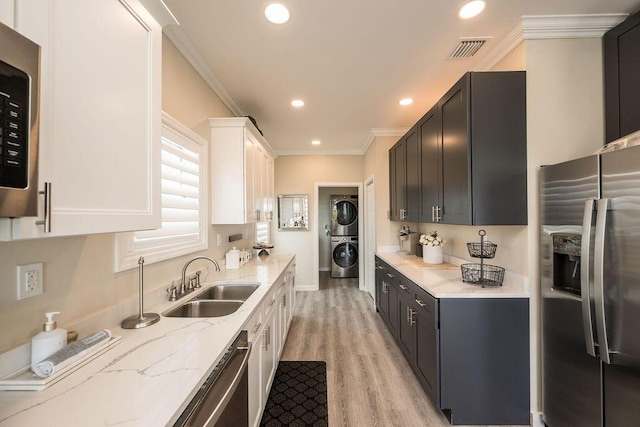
369, 238
316, 238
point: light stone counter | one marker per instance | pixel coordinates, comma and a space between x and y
449, 284
150, 376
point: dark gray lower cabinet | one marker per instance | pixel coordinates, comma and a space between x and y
471, 355
484, 360
406, 325
427, 347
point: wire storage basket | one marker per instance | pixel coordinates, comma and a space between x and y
481, 274
482, 250
484, 275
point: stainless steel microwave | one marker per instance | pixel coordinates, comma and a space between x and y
19, 124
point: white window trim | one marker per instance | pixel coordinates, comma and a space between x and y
126, 257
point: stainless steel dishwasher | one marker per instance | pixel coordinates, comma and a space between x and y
223, 398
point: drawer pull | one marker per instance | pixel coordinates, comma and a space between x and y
420, 303
403, 287
390, 275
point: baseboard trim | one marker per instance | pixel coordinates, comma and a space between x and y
536, 419
305, 288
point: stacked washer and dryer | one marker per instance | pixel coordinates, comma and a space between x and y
344, 236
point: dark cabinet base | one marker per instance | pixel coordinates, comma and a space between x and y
484, 360
471, 355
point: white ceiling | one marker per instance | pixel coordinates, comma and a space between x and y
350, 61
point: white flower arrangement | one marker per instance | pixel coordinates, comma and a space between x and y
432, 239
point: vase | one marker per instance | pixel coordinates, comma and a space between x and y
432, 254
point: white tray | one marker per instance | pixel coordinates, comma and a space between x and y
25, 380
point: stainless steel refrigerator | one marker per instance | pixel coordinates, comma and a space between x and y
590, 283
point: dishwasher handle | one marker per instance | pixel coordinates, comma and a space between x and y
219, 389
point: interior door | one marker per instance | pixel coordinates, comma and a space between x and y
370, 237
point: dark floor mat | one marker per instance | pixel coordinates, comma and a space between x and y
298, 396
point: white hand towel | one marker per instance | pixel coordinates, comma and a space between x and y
71, 353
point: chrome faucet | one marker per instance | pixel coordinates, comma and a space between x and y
183, 285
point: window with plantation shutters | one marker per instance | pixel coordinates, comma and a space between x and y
184, 205
262, 232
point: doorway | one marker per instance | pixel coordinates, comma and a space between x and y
322, 226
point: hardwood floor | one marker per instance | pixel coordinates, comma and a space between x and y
369, 381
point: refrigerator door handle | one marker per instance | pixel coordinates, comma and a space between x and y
585, 290
598, 280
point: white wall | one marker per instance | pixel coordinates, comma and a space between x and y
298, 175
377, 165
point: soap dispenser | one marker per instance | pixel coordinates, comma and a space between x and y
47, 342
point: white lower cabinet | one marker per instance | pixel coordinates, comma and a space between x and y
256, 337
269, 352
267, 329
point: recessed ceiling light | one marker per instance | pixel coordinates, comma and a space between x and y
406, 101
315, 142
276, 13
471, 9
297, 103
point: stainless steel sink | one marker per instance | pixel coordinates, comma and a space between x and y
204, 308
228, 291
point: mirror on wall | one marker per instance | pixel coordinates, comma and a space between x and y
293, 212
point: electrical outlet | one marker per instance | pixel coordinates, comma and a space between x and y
29, 280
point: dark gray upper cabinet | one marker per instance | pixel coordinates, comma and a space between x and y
621, 83
483, 155
429, 131
404, 175
473, 154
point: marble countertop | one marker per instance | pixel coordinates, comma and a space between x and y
449, 284
150, 376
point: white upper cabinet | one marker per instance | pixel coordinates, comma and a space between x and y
100, 106
241, 172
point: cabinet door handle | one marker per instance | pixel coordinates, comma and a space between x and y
433, 213
265, 343
411, 320
438, 214
46, 222
384, 288
256, 328
420, 303
403, 287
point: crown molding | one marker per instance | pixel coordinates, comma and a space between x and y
178, 37
319, 153
160, 12
534, 27
375, 132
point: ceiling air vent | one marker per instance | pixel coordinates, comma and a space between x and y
467, 48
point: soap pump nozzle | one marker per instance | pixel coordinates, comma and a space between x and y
50, 324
